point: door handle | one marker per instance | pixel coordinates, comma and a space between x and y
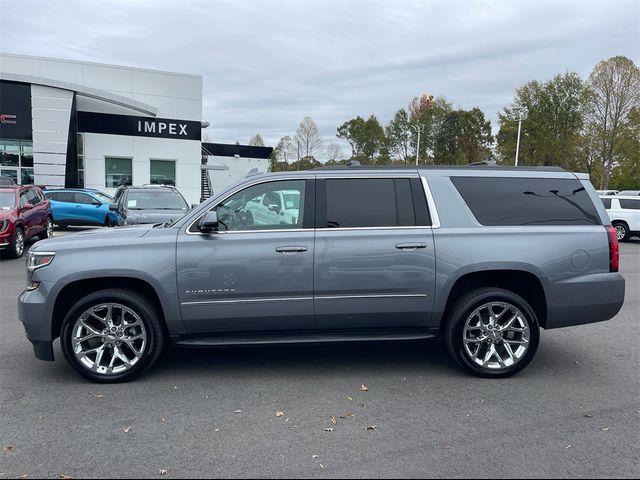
291, 249
411, 246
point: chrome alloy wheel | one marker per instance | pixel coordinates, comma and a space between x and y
49, 228
496, 335
621, 232
109, 338
19, 242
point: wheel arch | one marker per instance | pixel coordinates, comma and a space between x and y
521, 282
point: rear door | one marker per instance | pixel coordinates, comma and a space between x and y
374, 258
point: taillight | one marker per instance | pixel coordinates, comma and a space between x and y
614, 250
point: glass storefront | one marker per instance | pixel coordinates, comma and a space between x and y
16, 160
163, 172
118, 171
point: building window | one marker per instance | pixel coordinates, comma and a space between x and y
118, 171
16, 160
80, 160
163, 172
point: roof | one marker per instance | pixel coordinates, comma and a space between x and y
232, 150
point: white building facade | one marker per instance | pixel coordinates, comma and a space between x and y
78, 124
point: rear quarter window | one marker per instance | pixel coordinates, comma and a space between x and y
606, 202
629, 204
527, 201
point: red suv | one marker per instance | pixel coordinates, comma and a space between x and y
24, 213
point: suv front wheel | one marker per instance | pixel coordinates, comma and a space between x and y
492, 332
112, 335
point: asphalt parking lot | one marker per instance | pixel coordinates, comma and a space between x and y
574, 412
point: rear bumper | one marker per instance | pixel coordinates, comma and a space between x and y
586, 299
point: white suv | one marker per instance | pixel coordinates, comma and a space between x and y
624, 213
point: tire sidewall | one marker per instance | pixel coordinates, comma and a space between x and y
13, 250
465, 307
144, 309
626, 231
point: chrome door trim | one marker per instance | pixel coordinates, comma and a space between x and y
370, 296
248, 300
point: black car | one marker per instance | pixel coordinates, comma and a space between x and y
148, 204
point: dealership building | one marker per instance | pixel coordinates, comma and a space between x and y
79, 124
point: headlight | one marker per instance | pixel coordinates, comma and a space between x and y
3, 225
36, 260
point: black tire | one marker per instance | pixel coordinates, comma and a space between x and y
48, 230
18, 244
143, 307
463, 309
62, 226
622, 231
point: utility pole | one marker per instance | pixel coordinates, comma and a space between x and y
419, 129
520, 118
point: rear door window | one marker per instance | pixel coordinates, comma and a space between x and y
527, 201
629, 204
369, 202
606, 202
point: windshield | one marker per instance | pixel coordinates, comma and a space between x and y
103, 197
7, 200
156, 200
291, 200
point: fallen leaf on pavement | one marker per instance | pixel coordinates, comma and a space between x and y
279, 414
333, 420
588, 416
238, 411
162, 419
329, 429
127, 429
321, 466
163, 472
567, 446
364, 388
217, 430
372, 428
350, 399
64, 477
99, 396
24, 476
315, 456
364, 405
8, 448
606, 429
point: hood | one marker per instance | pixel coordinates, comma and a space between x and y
93, 238
7, 214
153, 216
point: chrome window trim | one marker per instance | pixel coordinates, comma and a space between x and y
431, 204
382, 295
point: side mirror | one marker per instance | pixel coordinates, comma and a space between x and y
194, 205
27, 206
113, 207
209, 223
274, 207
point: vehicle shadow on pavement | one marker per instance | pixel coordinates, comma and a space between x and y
426, 356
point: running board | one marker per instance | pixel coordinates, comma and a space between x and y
275, 339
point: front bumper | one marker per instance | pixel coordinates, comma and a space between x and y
4, 242
585, 299
35, 316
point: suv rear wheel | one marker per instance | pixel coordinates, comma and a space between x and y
112, 335
622, 231
492, 332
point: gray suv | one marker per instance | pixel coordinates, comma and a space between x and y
485, 256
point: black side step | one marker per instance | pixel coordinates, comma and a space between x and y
302, 337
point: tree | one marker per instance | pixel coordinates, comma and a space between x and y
334, 152
373, 141
398, 134
626, 174
308, 137
553, 122
613, 90
429, 115
281, 155
256, 141
353, 131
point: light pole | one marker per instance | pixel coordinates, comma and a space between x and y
419, 129
287, 145
522, 115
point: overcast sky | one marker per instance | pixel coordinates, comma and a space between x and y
266, 64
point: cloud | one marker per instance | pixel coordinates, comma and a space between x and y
267, 64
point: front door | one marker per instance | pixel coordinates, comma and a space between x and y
375, 257
256, 272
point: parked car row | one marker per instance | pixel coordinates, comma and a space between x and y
28, 211
623, 193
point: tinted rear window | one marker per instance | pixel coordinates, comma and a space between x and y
527, 201
606, 202
370, 202
629, 204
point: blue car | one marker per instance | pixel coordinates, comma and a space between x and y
81, 207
